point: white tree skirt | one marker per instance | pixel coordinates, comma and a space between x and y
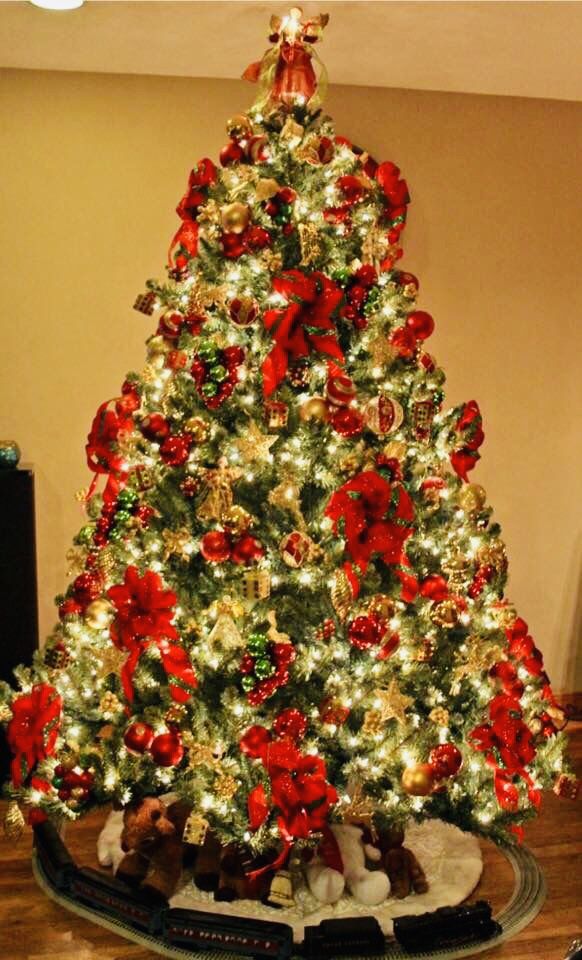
450, 858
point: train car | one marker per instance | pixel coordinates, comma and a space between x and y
446, 927
110, 896
361, 936
55, 860
239, 935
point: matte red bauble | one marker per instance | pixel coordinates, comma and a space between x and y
138, 737
446, 760
155, 427
215, 546
166, 749
420, 323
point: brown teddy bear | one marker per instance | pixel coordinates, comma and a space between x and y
152, 842
402, 867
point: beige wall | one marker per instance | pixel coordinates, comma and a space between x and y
91, 169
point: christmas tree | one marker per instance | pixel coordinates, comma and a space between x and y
288, 606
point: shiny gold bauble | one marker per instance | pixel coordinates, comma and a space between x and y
99, 614
198, 428
239, 126
472, 497
445, 614
382, 606
237, 519
235, 217
418, 779
314, 409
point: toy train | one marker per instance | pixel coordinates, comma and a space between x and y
199, 930
446, 927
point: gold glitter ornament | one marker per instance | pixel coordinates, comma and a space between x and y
235, 217
393, 704
176, 714
14, 822
292, 132
106, 562
382, 606
493, 554
380, 350
177, 543
440, 716
314, 409
445, 614
239, 126
217, 496
237, 519
373, 723
109, 704
341, 595
472, 497
254, 445
266, 189
286, 496
350, 464
272, 261
225, 786
110, 660
198, 428
395, 450
427, 651
310, 243
418, 780
5, 713
195, 829
99, 614
458, 570
75, 558
256, 585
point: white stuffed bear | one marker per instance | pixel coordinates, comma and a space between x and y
327, 884
109, 852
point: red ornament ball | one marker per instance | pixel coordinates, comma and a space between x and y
404, 342
291, 723
215, 546
170, 324
247, 550
445, 760
166, 749
333, 711
174, 451
138, 737
340, 390
87, 587
366, 631
347, 422
155, 427
243, 311
421, 324
69, 608
231, 153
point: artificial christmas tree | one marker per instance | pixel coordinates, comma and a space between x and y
289, 609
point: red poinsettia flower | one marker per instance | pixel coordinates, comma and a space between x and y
33, 729
305, 325
144, 608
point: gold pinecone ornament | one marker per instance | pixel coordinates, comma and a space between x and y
14, 822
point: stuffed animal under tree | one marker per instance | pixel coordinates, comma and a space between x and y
287, 605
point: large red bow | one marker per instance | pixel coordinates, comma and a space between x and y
144, 616
33, 729
300, 794
304, 325
184, 244
507, 743
376, 519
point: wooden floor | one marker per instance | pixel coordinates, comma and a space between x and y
34, 928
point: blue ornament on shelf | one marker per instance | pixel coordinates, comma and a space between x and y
9, 454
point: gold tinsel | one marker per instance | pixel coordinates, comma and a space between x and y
14, 821
440, 716
310, 241
380, 351
341, 595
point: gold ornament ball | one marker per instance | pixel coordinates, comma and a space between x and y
99, 614
418, 780
198, 429
239, 126
235, 217
314, 409
472, 498
382, 606
445, 614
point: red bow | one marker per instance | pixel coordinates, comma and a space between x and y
303, 326
144, 614
300, 794
507, 743
33, 729
376, 519
107, 427
184, 245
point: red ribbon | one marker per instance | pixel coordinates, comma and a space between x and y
376, 519
33, 729
144, 614
303, 326
102, 457
469, 427
507, 743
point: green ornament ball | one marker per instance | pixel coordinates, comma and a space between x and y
257, 644
116, 534
122, 517
9, 454
218, 373
264, 668
127, 499
85, 534
209, 389
247, 683
208, 351
57, 782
